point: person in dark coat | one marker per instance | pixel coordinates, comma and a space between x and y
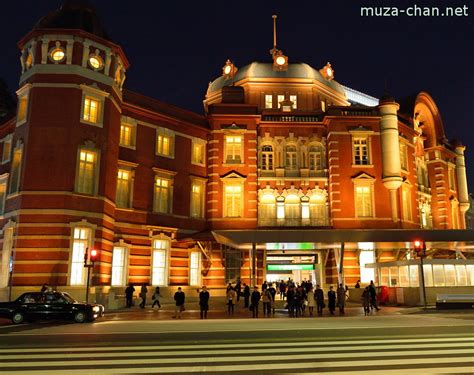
44, 288
264, 286
357, 286
366, 300
290, 300
273, 293
179, 298
238, 289
331, 300
156, 298
373, 296
204, 302
246, 295
129, 290
143, 292
255, 299
341, 298
319, 297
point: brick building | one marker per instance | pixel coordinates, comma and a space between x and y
282, 155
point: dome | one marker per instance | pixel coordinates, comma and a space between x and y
74, 14
265, 70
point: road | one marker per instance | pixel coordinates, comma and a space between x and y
410, 344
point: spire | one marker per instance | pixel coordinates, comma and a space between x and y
280, 61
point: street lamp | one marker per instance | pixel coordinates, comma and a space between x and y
89, 264
420, 249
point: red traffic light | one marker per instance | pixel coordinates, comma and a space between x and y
418, 244
94, 255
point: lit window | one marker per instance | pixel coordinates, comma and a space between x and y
318, 210
198, 152
164, 142
124, 180
403, 156
294, 99
266, 209
290, 156
57, 54
315, 158
197, 200
267, 158
233, 201
323, 106
280, 98
162, 201
438, 275
455, 214
7, 149
6, 256
119, 266
195, 268
159, 272
96, 62
366, 257
91, 110
428, 274
406, 204
451, 175
292, 210
361, 151
22, 108
16, 170
86, 175
414, 282
127, 135
364, 201
268, 101
3, 192
81, 241
233, 149
461, 276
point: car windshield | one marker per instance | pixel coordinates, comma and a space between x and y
68, 298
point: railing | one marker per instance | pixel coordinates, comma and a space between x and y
293, 222
292, 118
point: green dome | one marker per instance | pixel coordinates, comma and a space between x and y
265, 70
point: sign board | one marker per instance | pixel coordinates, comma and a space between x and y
290, 267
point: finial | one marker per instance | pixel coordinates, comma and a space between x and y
274, 31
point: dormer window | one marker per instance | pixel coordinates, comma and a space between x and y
95, 61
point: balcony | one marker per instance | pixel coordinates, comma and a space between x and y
293, 222
293, 118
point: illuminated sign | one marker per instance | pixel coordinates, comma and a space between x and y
290, 267
291, 246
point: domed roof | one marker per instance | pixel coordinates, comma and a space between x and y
74, 14
265, 70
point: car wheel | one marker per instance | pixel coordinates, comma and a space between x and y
18, 317
80, 317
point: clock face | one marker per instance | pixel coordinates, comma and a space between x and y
227, 69
329, 72
280, 60
58, 55
95, 61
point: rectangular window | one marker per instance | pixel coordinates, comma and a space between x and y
404, 278
384, 276
280, 98
6, 257
232, 265
159, 275
16, 170
294, 99
451, 175
450, 274
365, 257
7, 150
91, 110
86, 175
164, 142
461, 277
119, 266
394, 276
197, 200
124, 180
127, 135
414, 282
268, 101
438, 275
364, 201
233, 149
22, 109
233, 201
3, 193
81, 242
406, 204
195, 268
162, 201
197, 156
403, 156
361, 151
428, 274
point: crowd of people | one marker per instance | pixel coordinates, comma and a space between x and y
300, 298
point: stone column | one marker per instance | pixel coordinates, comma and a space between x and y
463, 195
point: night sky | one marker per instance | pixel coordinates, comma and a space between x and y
176, 47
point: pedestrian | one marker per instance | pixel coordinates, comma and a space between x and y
246, 294
366, 300
179, 298
341, 298
44, 288
231, 296
311, 301
238, 289
204, 302
129, 290
229, 287
255, 299
373, 296
319, 296
264, 286
273, 293
266, 301
155, 298
357, 286
282, 290
331, 300
290, 301
143, 292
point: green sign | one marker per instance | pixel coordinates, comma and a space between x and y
290, 267
290, 246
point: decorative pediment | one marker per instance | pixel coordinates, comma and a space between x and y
363, 177
292, 191
233, 175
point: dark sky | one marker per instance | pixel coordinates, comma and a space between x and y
176, 47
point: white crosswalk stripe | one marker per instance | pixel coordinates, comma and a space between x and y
391, 356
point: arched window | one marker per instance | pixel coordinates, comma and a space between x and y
292, 210
290, 156
267, 158
316, 162
267, 209
318, 210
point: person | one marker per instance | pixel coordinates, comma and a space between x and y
204, 302
143, 292
129, 290
366, 300
290, 300
44, 288
282, 289
231, 296
179, 298
238, 289
246, 295
254, 300
273, 293
264, 286
155, 298
266, 300
319, 296
357, 286
311, 301
341, 298
229, 287
346, 288
331, 300
373, 296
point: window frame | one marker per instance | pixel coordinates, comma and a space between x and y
132, 124
15, 189
266, 101
197, 270
7, 140
88, 148
356, 147
230, 149
97, 95
125, 265
403, 147
130, 186
3, 181
167, 258
201, 183
369, 183
165, 133
89, 242
198, 143
267, 158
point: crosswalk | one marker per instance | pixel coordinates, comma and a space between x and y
434, 355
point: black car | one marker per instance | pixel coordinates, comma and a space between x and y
49, 305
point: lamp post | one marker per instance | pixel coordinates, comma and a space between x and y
89, 264
420, 248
